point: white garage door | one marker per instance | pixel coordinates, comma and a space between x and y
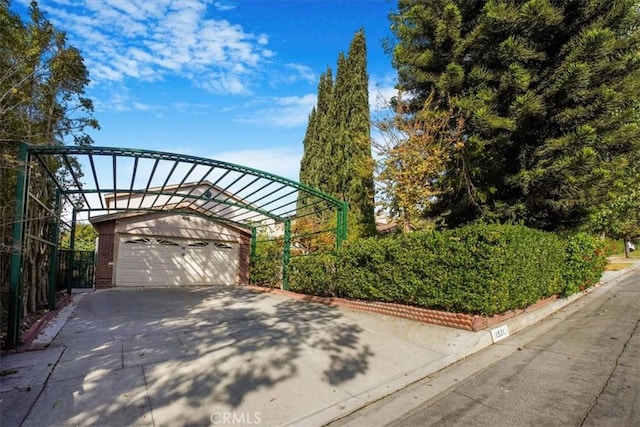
151, 261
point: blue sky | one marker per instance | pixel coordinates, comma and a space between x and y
229, 80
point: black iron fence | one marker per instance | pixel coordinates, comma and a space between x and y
76, 267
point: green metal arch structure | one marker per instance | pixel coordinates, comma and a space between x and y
122, 181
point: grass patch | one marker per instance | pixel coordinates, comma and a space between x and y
617, 266
632, 255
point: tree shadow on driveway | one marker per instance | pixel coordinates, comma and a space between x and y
176, 356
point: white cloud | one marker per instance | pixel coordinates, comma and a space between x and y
381, 90
121, 101
194, 108
224, 6
288, 111
302, 72
279, 161
292, 111
130, 39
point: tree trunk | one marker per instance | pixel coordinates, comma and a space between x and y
406, 224
33, 280
626, 247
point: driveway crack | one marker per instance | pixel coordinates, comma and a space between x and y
615, 367
44, 385
480, 402
146, 390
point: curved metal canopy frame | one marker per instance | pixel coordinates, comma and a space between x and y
122, 180
224, 191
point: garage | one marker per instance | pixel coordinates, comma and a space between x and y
164, 249
171, 261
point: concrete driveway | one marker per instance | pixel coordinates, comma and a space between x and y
219, 355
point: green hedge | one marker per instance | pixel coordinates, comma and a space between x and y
482, 269
266, 265
313, 274
584, 263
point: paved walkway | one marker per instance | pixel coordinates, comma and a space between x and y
222, 355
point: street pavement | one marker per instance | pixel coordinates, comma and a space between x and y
579, 367
229, 356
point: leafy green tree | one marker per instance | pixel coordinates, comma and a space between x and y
621, 218
412, 154
552, 88
42, 81
337, 145
354, 164
42, 102
85, 238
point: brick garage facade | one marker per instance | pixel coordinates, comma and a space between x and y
104, 258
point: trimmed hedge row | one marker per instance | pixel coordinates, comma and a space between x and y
478, 269
584, 263
266, 266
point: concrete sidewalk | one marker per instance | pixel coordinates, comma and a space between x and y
224, 355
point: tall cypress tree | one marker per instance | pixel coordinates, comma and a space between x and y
316, 140
360, 188
552, 88
337, 145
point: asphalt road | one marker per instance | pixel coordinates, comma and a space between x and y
580, 367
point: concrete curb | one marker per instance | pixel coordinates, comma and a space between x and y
40, 325
45, 335
29, 335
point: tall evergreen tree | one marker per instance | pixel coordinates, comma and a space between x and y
359, 183
317, 137
553, 90
337, 145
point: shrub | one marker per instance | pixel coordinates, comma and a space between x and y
477, 269
584, 263
394, 268
504, 267
483, 269
313, 274
266, 265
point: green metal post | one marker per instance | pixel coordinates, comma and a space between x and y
286, 255
254, 244
53, 260
15, 297
341, 227
71, 260
345, 222
338, 227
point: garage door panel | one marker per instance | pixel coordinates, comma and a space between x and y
148, 261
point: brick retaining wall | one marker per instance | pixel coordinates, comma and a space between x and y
469, 322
